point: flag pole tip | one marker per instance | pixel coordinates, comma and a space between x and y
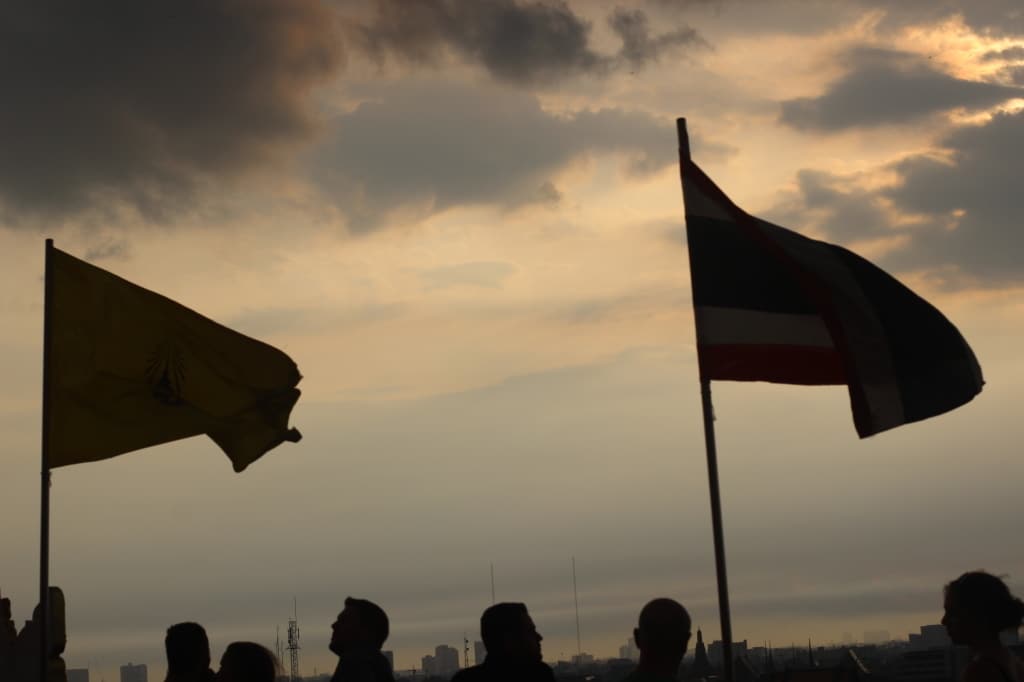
684, 137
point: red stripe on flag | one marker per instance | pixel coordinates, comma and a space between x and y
807, 365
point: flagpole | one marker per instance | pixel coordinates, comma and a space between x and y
712, 457
44, 490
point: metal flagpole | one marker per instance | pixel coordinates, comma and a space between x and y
44, 489
709, 446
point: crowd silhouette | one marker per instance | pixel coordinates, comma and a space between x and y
978, 608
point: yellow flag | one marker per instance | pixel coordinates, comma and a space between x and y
129, 368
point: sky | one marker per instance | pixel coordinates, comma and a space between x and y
463, 220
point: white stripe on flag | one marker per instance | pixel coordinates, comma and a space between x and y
733, 326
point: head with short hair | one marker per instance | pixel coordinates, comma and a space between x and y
247, 662
979, 606
508, 632
188, 649
360, 625
663, 631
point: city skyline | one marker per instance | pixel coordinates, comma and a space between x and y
929, 635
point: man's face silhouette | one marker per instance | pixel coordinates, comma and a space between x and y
346, 632
525, 644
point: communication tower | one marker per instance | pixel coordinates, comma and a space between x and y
278, 646
293, 643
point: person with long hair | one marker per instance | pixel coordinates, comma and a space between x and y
247, 662
978, 609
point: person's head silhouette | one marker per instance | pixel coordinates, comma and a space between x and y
361, 626
509, 633
188, 652
247, 662
978, 607
662, 635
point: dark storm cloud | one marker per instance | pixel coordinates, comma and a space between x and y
883, 87
436, 145
122, 103
517, 41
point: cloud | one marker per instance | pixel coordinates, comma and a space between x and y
833, 205
109, 248
482, 274
885, 87
633, 305
144, 105
1015, 74
638, 46
516, 41
434, 145
1015, 53
267, 322
973, 203
958, 213
993, 17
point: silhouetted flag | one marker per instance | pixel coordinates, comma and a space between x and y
772, 305
131, 368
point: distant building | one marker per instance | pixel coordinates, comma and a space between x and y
78, 675
444, 662
715, 651
629, 650
930, 637
390, 655
134, 673
582, 659
930, 665
701, 666
479, 652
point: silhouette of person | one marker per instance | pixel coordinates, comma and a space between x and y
247, 662
662, 635
188, 653
978, 608
513, 648
356, 637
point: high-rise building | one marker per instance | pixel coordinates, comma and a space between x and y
446, 658
134, 673
78, 675
716, 647
629, 650
390, 655
479, 652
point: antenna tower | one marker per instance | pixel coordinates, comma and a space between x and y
465, 651
576, 600
278, 647
293, 643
